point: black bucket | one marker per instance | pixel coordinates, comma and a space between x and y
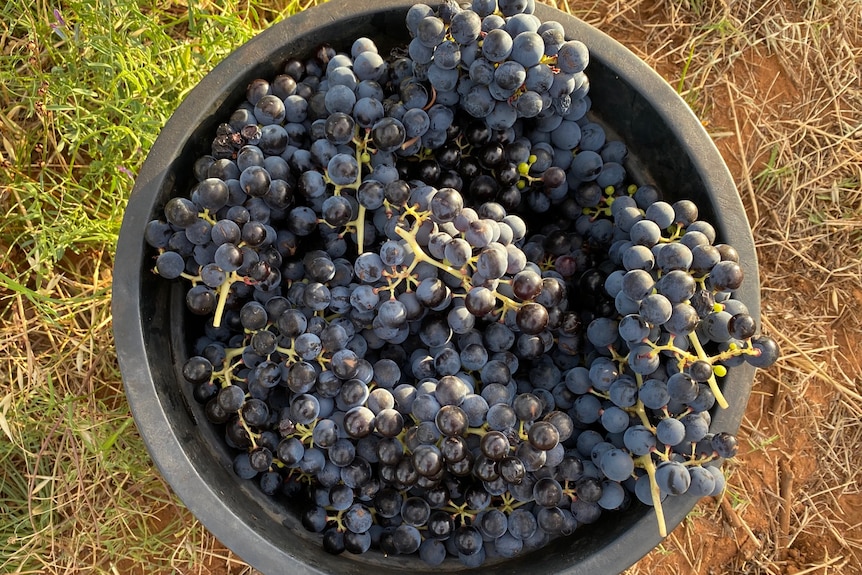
668, 147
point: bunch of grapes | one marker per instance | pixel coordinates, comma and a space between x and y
434, 306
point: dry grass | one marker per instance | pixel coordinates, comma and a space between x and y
81, 100
778, 85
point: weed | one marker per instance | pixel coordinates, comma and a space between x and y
771, 174
690, 96
85, 87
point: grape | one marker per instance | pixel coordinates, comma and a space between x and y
643, 360
674, 256
451, 420
543, 435
430, 31
633, 328
654, 394
716, 326
255, 180
522, 524
616, 464
586, 166
532, 318
476, 408
547, 492
655, 309
696, 427
676, 285
639, 440
497, 45
231, 398
700, 370
614, 419
572, 57
501, 417
446, 204
672, 478
704, 258
693, 239
638, 257
480, 301
327, 255
603, 332
269, 109
741, 326
170, 265
342, 169
357, 543
502, 117
704, 401
388, 134
304, 409
767, 352
432, 552
567, 135
645, 233
339, 128
368, 65
637, 284
442, 79
358, 518
670, 431
589, 490
358, 421
702, 481
586, 409
613, 495
725, 444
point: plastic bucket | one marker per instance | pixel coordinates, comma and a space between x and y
668, 147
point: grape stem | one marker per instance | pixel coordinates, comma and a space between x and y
410, 142
292, 356
223, 292
338, 519
420, 255
713, 384
646, 462
251, 434
462, 512
508, 503
360, 229
432, 100
227, 370
508, 304
639, 409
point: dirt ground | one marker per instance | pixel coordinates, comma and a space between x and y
777, 84
780, 93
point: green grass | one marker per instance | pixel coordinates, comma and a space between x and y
84, 91
690, 96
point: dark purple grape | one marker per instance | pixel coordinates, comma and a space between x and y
725, 444
532, 318
741, 326
543, 435
467, 540
726, 276
495, 445
451, 420
767, 352
527, 285
388, 134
